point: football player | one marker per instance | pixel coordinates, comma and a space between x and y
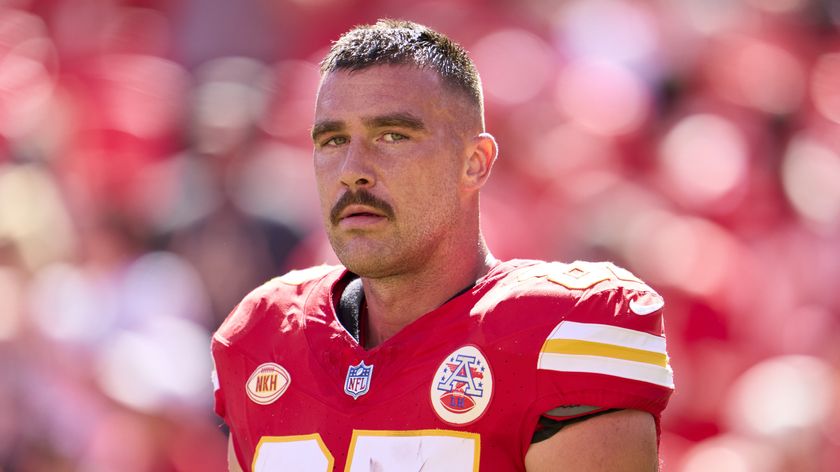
422, 351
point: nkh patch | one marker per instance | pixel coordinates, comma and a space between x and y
268, 382
462, 386
357, 382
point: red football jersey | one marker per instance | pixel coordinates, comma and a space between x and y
459, 389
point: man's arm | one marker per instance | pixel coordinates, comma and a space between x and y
233, 463
620, 441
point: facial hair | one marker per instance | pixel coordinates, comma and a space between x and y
360, 197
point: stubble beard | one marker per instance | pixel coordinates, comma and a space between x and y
378, 258
368, 256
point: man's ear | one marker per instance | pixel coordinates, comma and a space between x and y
482, 154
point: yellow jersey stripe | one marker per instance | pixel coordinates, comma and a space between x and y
589, 348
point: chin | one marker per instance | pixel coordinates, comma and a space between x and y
375, 259
372, 268
367, 262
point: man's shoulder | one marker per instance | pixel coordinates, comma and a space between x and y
303, 277
548, 292
525, 279
591, 317
274, 302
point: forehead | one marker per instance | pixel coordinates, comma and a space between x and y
344, 94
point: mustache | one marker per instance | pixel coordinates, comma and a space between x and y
360, 197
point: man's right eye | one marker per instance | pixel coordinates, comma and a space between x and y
335, 141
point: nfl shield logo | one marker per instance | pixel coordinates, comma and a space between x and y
358, 380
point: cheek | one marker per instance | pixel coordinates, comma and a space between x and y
430, 190
323, 181
321, 167
325, 168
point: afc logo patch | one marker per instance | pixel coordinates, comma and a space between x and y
462, 386
357, 382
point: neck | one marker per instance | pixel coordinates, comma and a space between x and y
395, 301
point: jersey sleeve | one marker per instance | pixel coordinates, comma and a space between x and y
227, 365
218, 395
608, 351
247, 330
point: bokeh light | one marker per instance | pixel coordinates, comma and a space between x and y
32, 217
691, 253
27, 63
810, 174
157, 365
825, 88
778, 6
732, 454
226, 102
11, 304
67, 307
783, 396
740, 62
290, 84
703, 157
602, 97
142, 95
711, 17
514, 65
607, 30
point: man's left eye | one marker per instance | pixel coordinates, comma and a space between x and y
393, 137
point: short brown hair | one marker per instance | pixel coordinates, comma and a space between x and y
399, 42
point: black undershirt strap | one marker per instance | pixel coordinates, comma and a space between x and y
548, 427
350, 307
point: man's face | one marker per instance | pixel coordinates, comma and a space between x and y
388, 153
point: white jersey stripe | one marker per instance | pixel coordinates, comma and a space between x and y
641, 371
606, 334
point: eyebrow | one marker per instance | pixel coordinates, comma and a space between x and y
399, 120
324, 127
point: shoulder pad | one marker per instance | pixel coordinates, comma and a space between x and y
615, 329
283, 295
300, 277
581, 275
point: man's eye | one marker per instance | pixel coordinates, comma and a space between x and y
335, 141
393, 137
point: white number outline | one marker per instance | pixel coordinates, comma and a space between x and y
299, 438
370, 433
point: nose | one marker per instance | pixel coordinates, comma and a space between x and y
357, 173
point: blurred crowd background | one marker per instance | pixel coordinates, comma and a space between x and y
155, 166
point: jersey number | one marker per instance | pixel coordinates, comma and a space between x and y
429, 450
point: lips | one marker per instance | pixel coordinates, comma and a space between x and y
359, 211
359, 217
360, 207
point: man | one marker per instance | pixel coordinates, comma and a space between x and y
424, 352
